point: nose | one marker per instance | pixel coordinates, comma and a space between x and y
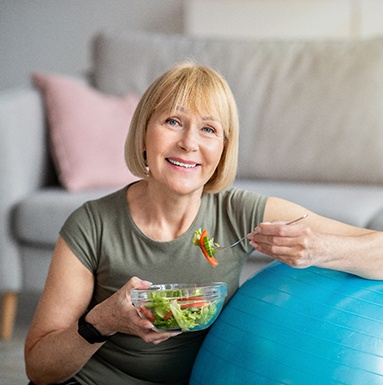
189, 139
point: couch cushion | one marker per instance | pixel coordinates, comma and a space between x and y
38, 218
87, 132
309, 110
357, 205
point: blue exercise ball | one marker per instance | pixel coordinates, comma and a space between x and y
296, 326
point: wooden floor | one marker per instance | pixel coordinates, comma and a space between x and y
12, 369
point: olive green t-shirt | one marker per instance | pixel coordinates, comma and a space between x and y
103, 235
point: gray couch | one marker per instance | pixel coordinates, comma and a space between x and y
311, 131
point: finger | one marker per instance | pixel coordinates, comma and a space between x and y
279, 230
135, 283
166, 336
156, 337
138, 283
266, 228
145, 324
279, 241
283, 250
269, 242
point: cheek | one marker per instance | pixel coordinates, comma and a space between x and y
153, 141
215, 153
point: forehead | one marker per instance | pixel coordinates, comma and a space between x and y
206, 112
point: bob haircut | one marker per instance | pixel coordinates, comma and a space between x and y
202, 90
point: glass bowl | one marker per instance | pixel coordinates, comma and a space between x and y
179, 306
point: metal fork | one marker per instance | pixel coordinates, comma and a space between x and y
220, 248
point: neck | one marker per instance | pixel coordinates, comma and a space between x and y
162, 216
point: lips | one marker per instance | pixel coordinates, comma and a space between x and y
182, 164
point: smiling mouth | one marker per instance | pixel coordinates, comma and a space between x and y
180, 164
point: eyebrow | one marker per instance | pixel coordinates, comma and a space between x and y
209, 118
204, 118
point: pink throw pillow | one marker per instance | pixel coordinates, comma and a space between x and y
87, 132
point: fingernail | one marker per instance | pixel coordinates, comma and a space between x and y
175, 334
143, 282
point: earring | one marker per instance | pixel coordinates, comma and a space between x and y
146, 164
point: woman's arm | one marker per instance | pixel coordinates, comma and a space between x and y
318, 241
54, 351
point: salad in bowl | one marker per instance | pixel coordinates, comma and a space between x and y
179, 306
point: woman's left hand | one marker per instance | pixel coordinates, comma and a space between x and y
317, 241
295, 244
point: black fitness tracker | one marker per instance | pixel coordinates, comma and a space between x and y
89, 332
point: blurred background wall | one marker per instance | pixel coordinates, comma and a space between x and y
291, 19
54, 35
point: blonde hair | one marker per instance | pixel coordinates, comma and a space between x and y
202, 90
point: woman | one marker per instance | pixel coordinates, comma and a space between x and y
183, 143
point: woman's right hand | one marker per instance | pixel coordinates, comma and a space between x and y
54, 351
117, 314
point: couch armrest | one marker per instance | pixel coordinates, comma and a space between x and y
24, 167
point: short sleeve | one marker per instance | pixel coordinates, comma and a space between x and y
80, 233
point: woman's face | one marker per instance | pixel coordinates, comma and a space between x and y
183, 149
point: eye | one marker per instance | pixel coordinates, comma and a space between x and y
208, 130
172, 122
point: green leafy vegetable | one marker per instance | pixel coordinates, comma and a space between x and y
181, 313
190, 318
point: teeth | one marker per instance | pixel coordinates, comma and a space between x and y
181, 164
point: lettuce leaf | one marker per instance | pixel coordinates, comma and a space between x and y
190, 318
170, 315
